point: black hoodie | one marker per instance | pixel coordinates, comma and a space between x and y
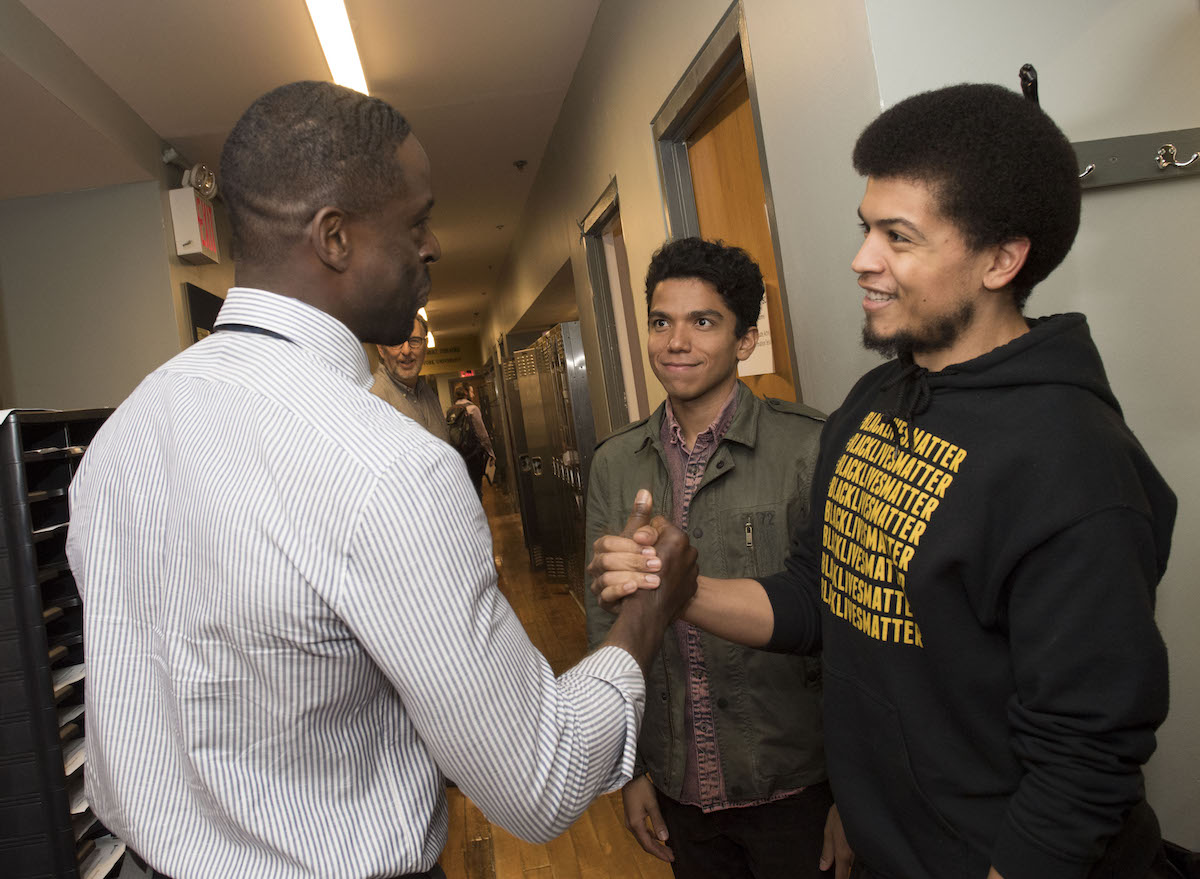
984, 562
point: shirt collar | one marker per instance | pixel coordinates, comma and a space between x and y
673, 433
301, 324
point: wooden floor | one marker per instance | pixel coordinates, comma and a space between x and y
597, 846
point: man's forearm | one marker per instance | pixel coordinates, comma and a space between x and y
638, 629
736, 610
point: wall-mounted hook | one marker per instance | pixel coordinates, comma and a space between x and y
1088, 170
1166, 157
1028, 77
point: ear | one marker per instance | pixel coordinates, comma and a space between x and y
1008, 258
747, 343
329, 237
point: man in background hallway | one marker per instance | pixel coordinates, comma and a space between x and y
733, 782
294, 628
398, 381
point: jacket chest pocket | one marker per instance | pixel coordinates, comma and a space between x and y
755, 540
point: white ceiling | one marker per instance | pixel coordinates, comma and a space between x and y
481, 82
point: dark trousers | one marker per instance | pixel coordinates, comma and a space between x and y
779, 840
475, 468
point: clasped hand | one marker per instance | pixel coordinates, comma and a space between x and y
645, 555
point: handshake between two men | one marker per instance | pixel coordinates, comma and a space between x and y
668, 566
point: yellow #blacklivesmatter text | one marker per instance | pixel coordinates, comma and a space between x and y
885, 489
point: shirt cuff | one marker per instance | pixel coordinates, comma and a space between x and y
620, 671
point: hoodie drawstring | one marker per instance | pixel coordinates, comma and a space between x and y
912, 399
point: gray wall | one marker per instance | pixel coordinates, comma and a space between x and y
1108, 69
820, 72
86, 295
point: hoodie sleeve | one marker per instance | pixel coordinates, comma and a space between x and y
1091, 689
795, 597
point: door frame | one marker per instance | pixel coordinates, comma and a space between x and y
592, 228
720, 61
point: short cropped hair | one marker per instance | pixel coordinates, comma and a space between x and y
730, 270
424, 325
302, 147
999, 167
460, 390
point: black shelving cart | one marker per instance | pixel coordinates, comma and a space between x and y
47, 830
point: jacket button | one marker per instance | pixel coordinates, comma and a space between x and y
722, 703
662, 696
699, 532
720, 465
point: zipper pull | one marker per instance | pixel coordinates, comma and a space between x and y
749, 535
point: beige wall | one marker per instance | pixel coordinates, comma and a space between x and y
821, 71
628, 69
634, 57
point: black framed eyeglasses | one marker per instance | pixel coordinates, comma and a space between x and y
415, 342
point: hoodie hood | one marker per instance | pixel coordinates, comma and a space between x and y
1057, 350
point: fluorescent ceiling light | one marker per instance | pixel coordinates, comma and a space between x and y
337, 42
421, 311
429, 340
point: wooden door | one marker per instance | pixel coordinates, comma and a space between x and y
731, 205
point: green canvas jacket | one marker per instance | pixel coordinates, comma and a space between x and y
753, 496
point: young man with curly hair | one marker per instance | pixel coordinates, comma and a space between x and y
980, 569
732, 776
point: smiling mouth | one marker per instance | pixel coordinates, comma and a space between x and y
877, 296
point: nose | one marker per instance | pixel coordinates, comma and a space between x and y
678, 339
866, 261
431, 249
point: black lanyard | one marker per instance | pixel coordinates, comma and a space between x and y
247, 328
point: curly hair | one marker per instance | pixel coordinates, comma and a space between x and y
299, 148
729, 269
998, 165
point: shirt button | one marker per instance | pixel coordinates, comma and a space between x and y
699, 532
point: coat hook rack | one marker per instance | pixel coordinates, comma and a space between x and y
1166, 157
1134, 159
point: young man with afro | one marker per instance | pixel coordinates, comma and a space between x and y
980, 569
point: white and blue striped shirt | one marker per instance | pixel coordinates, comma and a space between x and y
293, 627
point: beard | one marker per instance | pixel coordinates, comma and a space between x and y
935, 334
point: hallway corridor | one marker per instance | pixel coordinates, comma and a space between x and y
597, 846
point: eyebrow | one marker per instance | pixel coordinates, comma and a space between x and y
893, 221
694, 315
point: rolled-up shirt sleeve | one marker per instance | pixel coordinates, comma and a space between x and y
531, 750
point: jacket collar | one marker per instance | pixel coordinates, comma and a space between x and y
743, 429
